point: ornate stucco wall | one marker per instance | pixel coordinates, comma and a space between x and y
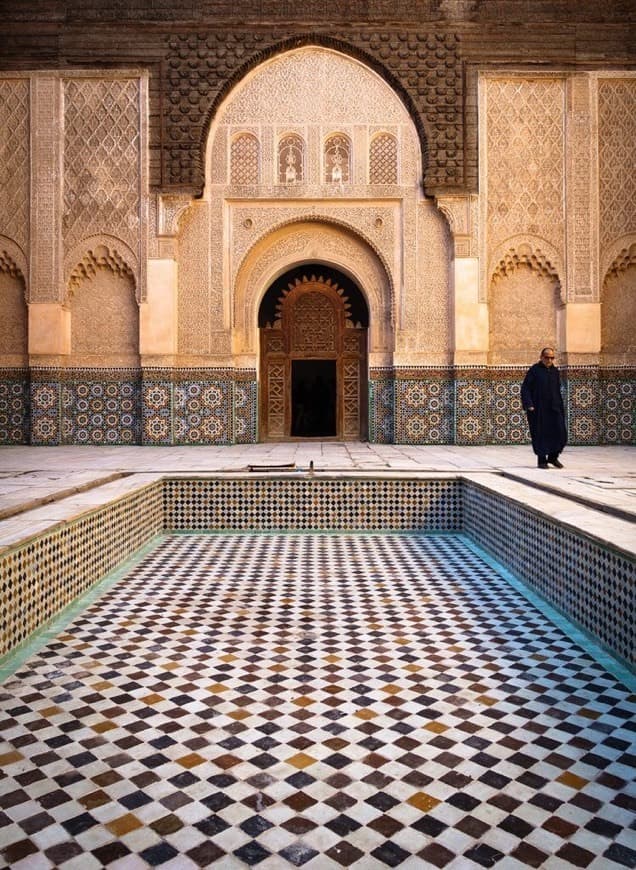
483, 207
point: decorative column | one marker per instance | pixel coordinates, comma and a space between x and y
581, 322
49, 322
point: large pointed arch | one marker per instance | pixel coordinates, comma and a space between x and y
291, 44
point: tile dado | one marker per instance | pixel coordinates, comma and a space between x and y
14, 406
589, 582
219, 406
47, 572
264, 504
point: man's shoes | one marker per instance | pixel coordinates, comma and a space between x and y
542, 465
556, 463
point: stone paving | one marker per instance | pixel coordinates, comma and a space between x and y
602, 476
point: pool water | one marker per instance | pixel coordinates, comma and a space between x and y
322, 700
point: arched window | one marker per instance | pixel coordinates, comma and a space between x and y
383, 159
245, 159
291, 159
338, 159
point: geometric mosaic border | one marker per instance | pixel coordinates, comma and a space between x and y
163, 406
478, 405
14, 406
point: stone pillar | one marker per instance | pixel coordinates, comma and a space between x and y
158, 314
580, 329
471, 313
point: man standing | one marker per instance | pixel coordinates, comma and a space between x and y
542, 401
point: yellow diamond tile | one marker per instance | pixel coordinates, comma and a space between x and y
191, 760
101, 685
423, 801
105, 725
153, 698
391, 689
239, 714
124, 824
365, 714
301, 760
48, 712
486, 699
10, 758
572, 780
436, 727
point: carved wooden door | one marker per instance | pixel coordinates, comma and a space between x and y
313, 366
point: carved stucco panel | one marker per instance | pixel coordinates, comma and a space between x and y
14, 160
312, 243
427, 315
13, 259
310, 84
581, 190
617, 157
45, 246
378, 224
462, 214
13, 314
522, 164
317, 92
522, 314
194, 287
101, 251
104, 162
104, 316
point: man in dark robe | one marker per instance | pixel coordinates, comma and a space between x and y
543, 404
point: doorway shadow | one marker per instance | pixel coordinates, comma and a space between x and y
313, 398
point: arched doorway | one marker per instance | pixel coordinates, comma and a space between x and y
313, 357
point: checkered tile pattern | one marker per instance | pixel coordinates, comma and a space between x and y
316, 700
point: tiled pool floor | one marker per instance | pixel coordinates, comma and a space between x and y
317, 700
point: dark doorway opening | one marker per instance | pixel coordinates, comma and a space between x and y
313, 398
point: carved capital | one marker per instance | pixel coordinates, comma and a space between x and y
170, 209
461, 214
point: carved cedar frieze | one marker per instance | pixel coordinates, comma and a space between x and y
199, 69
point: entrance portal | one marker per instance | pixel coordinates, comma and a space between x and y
313, 372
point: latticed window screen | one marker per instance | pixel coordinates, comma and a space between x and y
244, 159
383, 160
291, 159
337, 159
